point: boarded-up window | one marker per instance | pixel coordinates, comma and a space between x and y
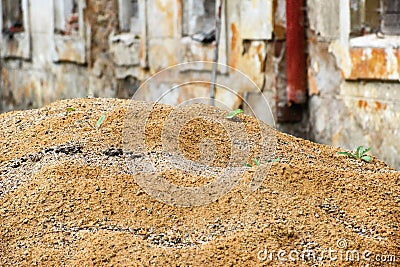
70, 33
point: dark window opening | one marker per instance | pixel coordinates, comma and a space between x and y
374, 16
66, 17
126, 88
199, 20
12, 17
128, 16
365, 17
391, 17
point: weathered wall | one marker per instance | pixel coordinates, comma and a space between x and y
47, 66
41, 78
353, 90
102, 16
352, 100
36, 78
104, 60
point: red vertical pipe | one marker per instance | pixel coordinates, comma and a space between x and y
295, 52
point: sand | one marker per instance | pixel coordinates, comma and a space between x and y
68, 195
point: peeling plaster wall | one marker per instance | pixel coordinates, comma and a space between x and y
37, 80
353, 94
103, 60
352, 100
166, 42
112, 62
102, 15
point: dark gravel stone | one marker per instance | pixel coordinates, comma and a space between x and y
113, 152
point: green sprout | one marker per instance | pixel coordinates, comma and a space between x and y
359, 154
276, 160
234, 113
100, 121
70, 109
255, 161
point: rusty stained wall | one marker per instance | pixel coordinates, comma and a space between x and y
54, 66
354, 89
105, 62
255, 49
164, 45
111, 63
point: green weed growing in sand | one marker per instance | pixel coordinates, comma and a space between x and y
359, 154
100, 121
255, 161
234, 113
70, 109
276, 160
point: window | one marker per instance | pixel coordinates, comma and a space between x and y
126, 45
365, 17
12, 17
70, 33
374, 16
198, 32
128, 16
391, 17
369, 47
67, 18
199, 20
14, 25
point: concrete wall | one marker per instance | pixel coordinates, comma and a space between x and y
30, 75
52, 65
353, 88
353, 85
103, 59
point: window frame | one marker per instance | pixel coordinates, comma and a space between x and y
121, 17
20, 45
73, 47
366, 57
126, 49
194, 50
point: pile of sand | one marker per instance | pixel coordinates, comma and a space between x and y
67, 197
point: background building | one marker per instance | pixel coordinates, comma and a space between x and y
329, 69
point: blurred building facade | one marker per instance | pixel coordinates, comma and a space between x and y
330, 70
